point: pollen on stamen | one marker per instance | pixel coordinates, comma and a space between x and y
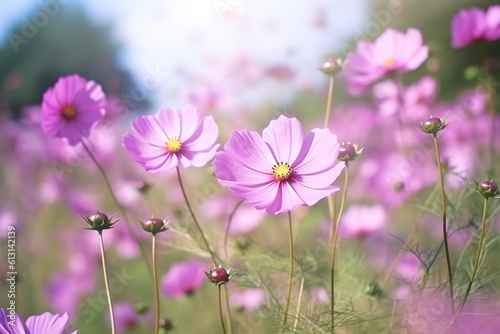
174, 145
389, 62
68, 112
282, 171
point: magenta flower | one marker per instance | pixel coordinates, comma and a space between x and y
282, 170
393, 51
172, 138
36, 324
126, 317
361, 220
183, 278
248, 299
473, 24
71, 108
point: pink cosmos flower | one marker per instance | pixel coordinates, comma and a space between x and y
473, 24
126, 317
361, 220
183, 278
172, 138
393, 51
72, 107
280, 170
248, 299
36, 324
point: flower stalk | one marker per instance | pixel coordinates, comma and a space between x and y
290, 274
334, 245
445, 231
106, 283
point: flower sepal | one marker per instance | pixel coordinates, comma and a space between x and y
219, 275
155, 225
349, 152
99, 221
433, 125
487, 188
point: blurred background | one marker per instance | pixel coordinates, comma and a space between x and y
243, 61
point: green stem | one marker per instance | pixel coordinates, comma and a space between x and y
329, 102
120, 207
334, 245
106, 283
290, 274
155, 282
228, 310
298, 305
220, 313
212, 255
478, 255
445, 232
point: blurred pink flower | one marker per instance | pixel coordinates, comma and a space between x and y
473, 24
172, 138
183, 278
125, 316
362, 220
319, 294
392, 51
71, 108
280, 170
248, 299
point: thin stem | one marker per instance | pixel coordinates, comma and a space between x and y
478, 255
230, 219
329, 102
220, 313
212, 255
120, 207
155, 282
298, 305
290, 274
228, 310
445, 232
106, 283
334, 245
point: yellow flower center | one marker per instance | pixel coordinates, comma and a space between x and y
68, 112
282, 171
389, 62
174, 145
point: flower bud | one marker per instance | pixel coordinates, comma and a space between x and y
219, 275
155, 225
349, 152
99, 221
373, 289
433, 125
332, 66
488, 189
166, 325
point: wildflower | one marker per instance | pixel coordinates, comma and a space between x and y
393, 51
248, 299
183, 278
433, 125
172, 138
71, 108
99, 221
36, 324
280, 170
361, 220
473, 24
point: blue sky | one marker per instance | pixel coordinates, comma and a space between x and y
171, 34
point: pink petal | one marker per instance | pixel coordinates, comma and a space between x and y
169, 120
285, 137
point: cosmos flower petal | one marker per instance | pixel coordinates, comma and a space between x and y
169, 121
183, 278
5, 327
286, 200
47, 323
319, 152
261, 196
285, 137
190, 121
230, 170
311, 196
248, 149
204, 137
